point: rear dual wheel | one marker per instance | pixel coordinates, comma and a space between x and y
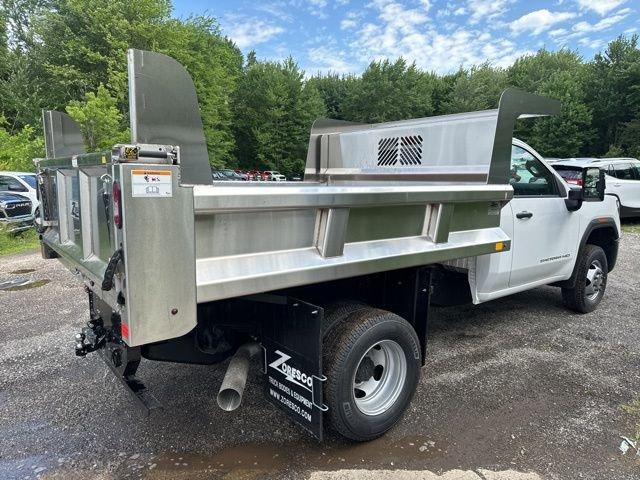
372, 364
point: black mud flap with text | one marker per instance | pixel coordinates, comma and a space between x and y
292, 341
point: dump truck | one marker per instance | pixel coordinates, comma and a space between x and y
326, 285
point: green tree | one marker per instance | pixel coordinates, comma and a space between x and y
559, 75
567, 134
215, 64
476, 89
334, 89
390, 91
274, 112
613, 90
100, 120
83, 45
17, 151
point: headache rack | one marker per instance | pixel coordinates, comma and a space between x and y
153, 236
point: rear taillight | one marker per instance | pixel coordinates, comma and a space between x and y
117, 205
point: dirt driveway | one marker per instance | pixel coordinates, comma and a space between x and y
515, 385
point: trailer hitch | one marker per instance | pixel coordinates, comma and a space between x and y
122, 360
92, 337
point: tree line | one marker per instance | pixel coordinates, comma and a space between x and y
70, 55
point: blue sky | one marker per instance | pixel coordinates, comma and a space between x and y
343, 36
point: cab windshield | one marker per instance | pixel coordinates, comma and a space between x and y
29, 179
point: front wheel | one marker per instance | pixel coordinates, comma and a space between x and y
372, 364
591, 281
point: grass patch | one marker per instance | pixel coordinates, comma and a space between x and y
633, 409
17, 243
631, 226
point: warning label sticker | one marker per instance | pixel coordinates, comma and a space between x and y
151, 183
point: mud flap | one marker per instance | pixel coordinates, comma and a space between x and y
292, 342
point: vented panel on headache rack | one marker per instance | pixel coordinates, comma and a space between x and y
400, 151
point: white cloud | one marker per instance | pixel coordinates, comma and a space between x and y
350, 20
558, 32
404, 32
249, 32
489, 9
539, 21
594, 44
327, 59
276, 8
601, 7
608, 22
347, 24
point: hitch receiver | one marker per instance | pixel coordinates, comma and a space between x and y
123, 361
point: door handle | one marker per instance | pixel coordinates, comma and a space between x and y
617, 184
524, 214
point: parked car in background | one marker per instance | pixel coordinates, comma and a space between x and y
242, 174
23, 184
232, 175
273, 176
622, 176
218, 176
15, 212
255, 175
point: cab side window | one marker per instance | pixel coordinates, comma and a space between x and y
529, 177
624, 171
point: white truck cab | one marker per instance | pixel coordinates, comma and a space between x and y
549, 236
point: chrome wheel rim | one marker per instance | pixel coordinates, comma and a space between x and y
379, 378
595, 280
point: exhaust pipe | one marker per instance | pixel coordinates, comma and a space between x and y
230, 394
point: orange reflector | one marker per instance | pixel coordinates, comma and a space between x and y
499, 246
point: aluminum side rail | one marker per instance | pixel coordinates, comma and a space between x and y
252, 238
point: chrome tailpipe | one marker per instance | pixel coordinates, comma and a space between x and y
230, 394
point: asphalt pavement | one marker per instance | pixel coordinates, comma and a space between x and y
517, 388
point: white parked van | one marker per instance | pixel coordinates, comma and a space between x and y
622, 176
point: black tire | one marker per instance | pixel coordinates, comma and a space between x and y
361, 332
578, 298
337, 312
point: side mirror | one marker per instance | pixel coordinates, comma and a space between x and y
593, 185
574, 198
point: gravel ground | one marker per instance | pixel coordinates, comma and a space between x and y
517, 384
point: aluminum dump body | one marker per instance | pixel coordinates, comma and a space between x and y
375, 198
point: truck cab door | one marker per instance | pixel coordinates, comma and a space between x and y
545, 232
